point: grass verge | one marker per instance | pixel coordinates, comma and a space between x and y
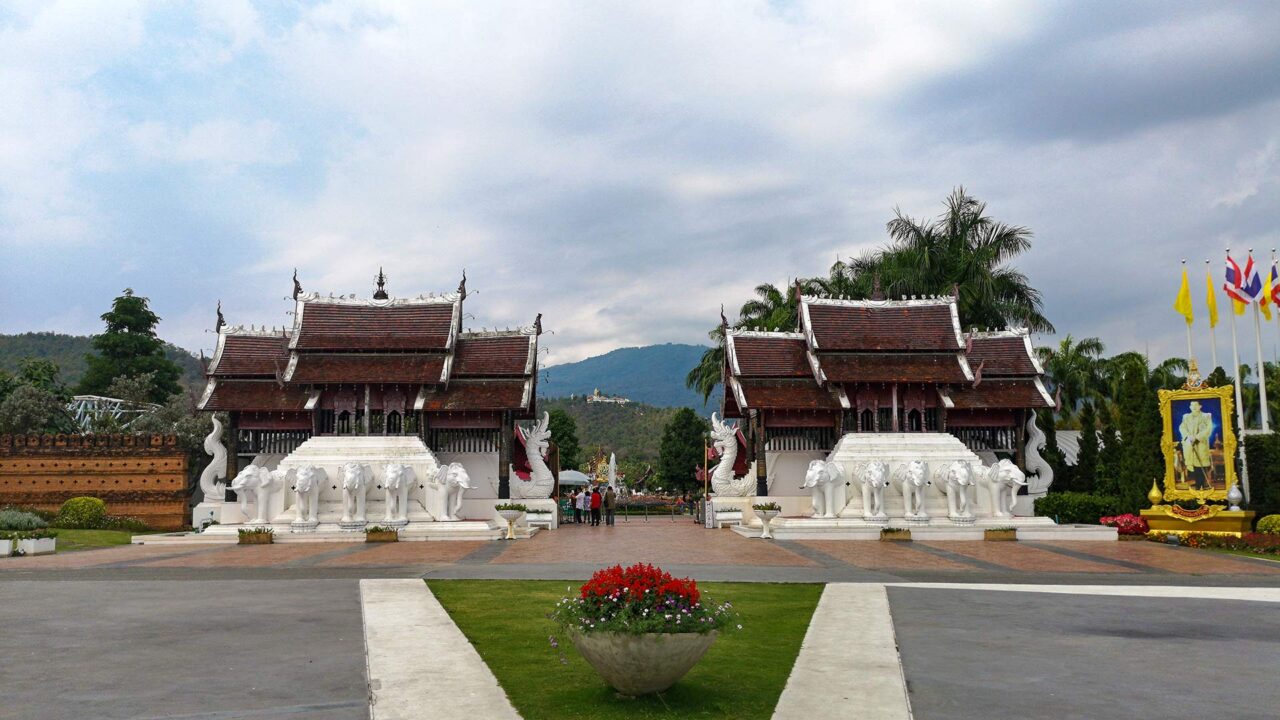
72, 540
740, 677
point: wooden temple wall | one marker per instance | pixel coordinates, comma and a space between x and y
140, 476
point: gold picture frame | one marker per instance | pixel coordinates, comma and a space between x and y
1199, 443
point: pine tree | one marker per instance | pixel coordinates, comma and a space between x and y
1063, 474
1139, 427
1109, 454
1087, 458
681, 454
130, 348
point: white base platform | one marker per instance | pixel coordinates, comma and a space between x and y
330, 532
1028, 528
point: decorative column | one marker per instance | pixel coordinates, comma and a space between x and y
368, 418
762, 473
504, 455
893, 395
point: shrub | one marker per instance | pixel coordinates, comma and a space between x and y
122, 522
20, 520
767, 506
1073, 507
641, 599
242, 532
1262, 453
82, 513
1269, 525
511, 506
1127, 524
1263, 543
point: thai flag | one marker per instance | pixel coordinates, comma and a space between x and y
1242, 286
1275, 286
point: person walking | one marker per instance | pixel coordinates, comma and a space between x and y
610, 506
577, 507
584, 504
596, 501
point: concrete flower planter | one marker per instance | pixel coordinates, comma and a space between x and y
6, 547
376, 536
888, 535
257, 538
510, 516
766, 518
43, 546
1000, 535
642, 664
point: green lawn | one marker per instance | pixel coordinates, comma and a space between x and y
71, 540
740, 677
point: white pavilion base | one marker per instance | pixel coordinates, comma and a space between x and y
843, 528
328, 532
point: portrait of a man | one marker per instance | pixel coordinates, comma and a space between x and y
1197, 427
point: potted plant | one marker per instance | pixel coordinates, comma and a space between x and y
1000, 534
767, 512
36, 542
640, 628
895, 535
256, 536
377, 533
510, 512
6, 544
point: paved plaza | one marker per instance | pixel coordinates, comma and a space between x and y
210, 632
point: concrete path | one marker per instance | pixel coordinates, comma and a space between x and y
848, 665
421, 666
1257, 594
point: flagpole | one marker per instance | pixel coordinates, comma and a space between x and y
1235, 373
1213, 333
1190, 358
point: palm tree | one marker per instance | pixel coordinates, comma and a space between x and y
771, 309
963, 248
1075, 370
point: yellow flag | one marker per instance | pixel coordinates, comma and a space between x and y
1264, 302
1183, 303
1211, 300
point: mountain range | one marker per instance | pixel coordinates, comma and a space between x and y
653, 374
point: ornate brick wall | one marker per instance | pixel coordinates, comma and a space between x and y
142, 476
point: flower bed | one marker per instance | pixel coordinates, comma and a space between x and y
1262, 543
255, 536
1127, 524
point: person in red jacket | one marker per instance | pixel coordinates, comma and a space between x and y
595, 507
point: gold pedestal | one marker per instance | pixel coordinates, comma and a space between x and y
1225, 522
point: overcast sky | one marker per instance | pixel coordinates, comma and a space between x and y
623, 169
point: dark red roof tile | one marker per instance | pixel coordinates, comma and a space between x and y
368, 368
869, 367
996, 394
251, 355
794, 394
840, 326
1003, 356
337, 326
490, 356
759, 356
477, 395
255, 395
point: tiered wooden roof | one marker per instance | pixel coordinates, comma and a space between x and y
416, 344
844, 343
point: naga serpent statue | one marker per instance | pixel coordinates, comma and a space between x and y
216, 471
541, 481
1039, 472
725, 439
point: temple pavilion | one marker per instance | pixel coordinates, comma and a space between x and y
877, 366
374, 366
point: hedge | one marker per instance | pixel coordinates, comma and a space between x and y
1262, 453
82, 513
1076, 507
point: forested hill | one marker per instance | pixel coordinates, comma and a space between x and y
633, 431
653, 374
68, 352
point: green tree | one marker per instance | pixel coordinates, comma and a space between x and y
770, 309
129, 348
682, 450
1138, 423
1087, 458
564, 432
30, 409
1074, 369
1110, 453
962, 247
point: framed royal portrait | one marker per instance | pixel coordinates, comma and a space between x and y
1199, 443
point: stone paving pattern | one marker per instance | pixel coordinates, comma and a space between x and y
575, 550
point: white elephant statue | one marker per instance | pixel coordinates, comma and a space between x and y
1003, 480
307, 481
356, 479
954, 481
256, 483
826, 481
874, 478
914, 478
397, 480
450, 482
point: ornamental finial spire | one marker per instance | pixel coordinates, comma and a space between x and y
297, 286
381, 292
217, 326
